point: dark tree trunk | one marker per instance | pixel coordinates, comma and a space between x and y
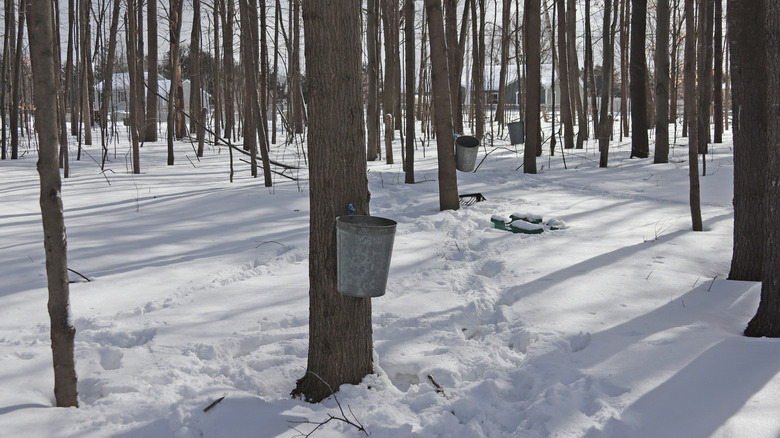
478, 66
409, 37
340, 332
624, 64
392, 72
150, 125
195, 93
704, 79
454, 58
16, 85
4, 74
372, 100
448, 180
749, 126
563, 73
533, 33
717, 79
640, 146
294, 92
108, 82
605, 120
248, 47
227, 10
175, 34
591, 76
216, 88
580, 118
39, 20
506, 38
135, 115
662, 84
766, 322
690, 103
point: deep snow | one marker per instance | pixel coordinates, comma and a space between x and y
621, 324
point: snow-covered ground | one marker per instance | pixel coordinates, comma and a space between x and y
621, 324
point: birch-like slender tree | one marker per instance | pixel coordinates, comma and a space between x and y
39, 20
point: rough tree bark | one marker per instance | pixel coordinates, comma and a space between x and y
605, 120
717, 79
640, 146
340, 332
766, 322
690, 104
448, 180
662, 84
748, 88
563, 73
409, 36
39, 20
372, 100
533, 33
175, 34
150, 126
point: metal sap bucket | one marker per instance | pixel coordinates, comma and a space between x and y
516, 132
364, 245
466, 148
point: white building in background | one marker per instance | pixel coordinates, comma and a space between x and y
120, 95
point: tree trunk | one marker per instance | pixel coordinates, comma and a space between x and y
227, 10
340, 332
706, 10
372, 101
248, 46
16, 85
624, 65
662, 84
640, 146
690, 102
134, 115
574, 76
766, 322
478, 67
4, 74
295, 96
39, 20
717, 80
410, 125
175, 33
749, 126
591, 87
150, 125
195, 93
563, 73
216, 89
533, 33
605, 119
108, 82
454, 58
506, 38
392, 76
448, 180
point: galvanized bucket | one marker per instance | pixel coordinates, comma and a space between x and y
364, 245
466, 148
516, 132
